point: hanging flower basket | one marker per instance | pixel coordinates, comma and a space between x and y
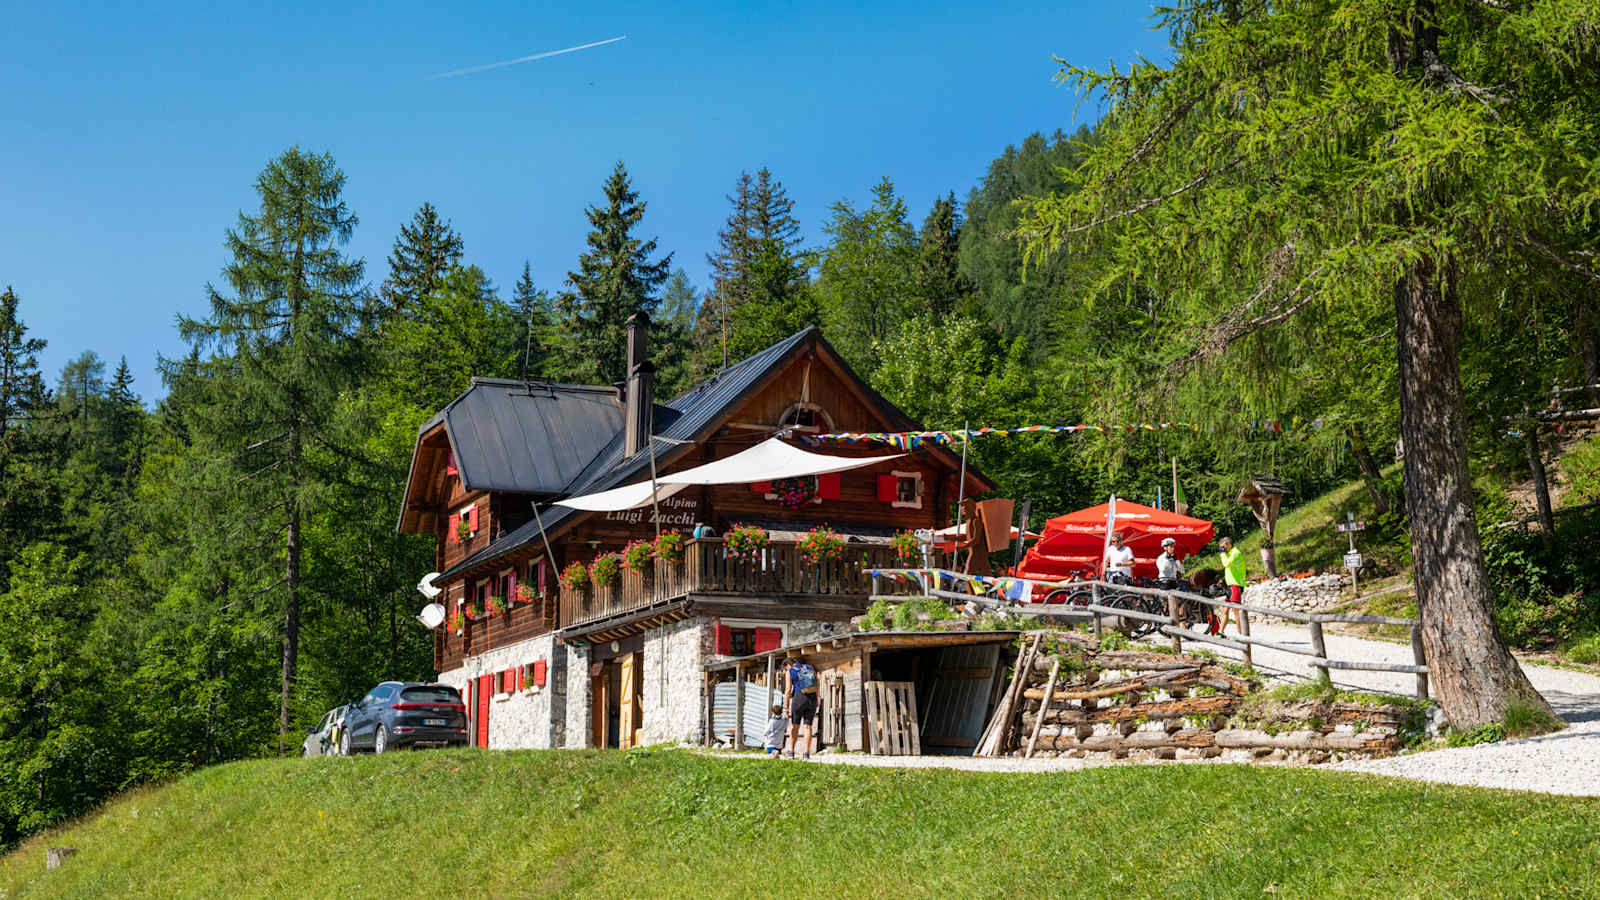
639, 556
524, 595
458, 623
906, 551
745, 543
605, 570
669, 547
821, 544
575, 576
497, 606
463, 530
794, 493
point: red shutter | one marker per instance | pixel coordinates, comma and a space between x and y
828, 486
761, 487
768, 639
888, 488
472, 517
538, 673
511, 587
450, 530
522, 677
724, 640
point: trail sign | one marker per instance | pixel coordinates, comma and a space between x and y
1353, 560
1350, 526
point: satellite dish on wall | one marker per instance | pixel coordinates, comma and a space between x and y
432, 615
426, 586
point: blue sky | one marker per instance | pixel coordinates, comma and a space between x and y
131, 135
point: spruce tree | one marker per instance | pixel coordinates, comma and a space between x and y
533, 315
285, 353
423, 253
615, 278
939, 280
23, 399
758, 291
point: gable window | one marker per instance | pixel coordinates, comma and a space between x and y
907, 490
807, 417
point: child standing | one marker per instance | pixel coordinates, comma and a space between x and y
776, 726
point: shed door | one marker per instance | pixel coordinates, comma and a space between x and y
485, 691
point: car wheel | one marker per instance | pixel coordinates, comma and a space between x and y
344, 744
380, 741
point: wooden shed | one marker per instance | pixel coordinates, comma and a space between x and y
883, 692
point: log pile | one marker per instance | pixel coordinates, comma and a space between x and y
1070, 698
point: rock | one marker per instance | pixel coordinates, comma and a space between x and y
55, 856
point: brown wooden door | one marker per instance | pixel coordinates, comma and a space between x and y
636, 699
597, 710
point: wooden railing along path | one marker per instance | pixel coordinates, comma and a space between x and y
708, 568
1171, 625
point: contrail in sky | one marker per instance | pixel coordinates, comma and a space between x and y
523, 59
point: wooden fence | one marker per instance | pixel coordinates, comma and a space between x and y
1170, 622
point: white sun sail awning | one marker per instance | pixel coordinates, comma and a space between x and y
767, 461
627, 497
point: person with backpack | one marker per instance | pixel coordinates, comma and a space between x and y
800, 702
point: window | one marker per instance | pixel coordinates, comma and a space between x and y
741, 641
807, 417
907, 490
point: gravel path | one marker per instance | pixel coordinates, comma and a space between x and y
1567, 762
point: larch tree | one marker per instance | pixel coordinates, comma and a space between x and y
866, 274
1296, 158
758, 286
285, 351
615, 278
425, 250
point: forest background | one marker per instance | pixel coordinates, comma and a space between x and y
196, 579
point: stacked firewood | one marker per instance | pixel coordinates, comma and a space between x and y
1070, 698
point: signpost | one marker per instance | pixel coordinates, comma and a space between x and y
1352, 560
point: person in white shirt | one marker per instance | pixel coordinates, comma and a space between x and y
1169, 568
1119, 559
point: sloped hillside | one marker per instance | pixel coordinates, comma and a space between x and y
673, 823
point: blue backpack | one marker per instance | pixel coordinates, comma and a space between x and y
802, 678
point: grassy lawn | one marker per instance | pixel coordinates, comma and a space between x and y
671, 823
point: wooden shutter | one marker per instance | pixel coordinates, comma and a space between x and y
625, 725
522, 677
768, 639
888, 488
539, 673
450, 530
511, 587
724, 640
761, 487
472, 517
828, 486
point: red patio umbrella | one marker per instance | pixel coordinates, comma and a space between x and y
1075, 542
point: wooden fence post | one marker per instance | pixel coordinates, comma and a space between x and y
1319, 648
1172, 617
738, 707
1244, 629
1094, 597
711, 710
1417, 656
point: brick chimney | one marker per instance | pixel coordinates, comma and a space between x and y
639, 396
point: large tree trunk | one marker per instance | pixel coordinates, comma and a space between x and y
1589, 351
1369, 469
1470, 669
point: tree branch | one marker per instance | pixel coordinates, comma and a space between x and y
1141, 206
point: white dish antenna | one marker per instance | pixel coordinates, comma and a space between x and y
427, 588
432, 615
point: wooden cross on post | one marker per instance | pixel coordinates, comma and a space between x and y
1264, 495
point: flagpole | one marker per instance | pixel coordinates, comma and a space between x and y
961, 491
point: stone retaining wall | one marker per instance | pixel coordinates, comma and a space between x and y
1316, 593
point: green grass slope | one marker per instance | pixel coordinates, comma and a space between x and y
673, 823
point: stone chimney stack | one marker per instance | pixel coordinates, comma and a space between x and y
639, 396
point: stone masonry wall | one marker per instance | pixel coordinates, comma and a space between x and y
673, 682
1315, 593
530, 718
576, 683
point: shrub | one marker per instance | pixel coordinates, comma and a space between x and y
908, 615
605, 570
1580, 466
639, 556
1113, 640
878, 615
745, 542
1487, 733
575, 576
821, 544
1524, 719
1584, 650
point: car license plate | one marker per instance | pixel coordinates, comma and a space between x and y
434, 723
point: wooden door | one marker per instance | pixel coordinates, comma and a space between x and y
485, 691
636, 699
625, 694
598, 685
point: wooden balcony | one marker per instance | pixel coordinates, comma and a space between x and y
707, 570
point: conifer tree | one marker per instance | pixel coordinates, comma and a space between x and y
615, 278
939, 280
423, 253
285, 352
533, 314
22, 399
758, 276
866, 281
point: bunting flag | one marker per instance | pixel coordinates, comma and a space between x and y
910, 440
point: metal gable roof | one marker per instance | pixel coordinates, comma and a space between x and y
528, 438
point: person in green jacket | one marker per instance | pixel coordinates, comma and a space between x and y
1233, 576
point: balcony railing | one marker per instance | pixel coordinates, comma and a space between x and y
706, 568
